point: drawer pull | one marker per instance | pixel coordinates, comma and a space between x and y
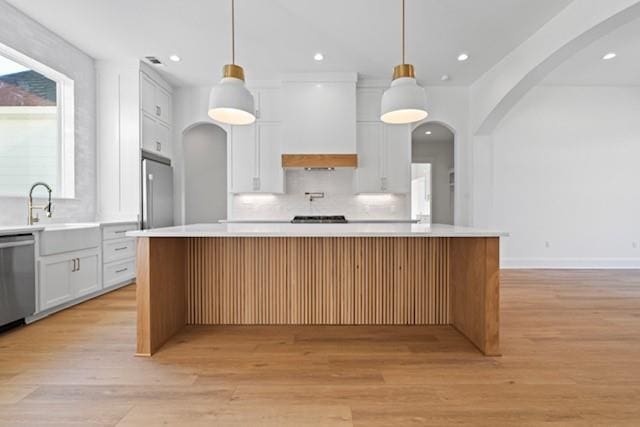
120, 231
122, 270
122, 248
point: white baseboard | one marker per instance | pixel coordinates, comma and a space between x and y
570, 263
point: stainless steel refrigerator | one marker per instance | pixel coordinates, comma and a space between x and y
157, 193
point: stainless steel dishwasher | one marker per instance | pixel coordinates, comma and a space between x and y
17, 279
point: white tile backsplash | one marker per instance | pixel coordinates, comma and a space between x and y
339, 199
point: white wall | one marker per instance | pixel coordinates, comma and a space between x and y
566, 178
205, 174
30, 38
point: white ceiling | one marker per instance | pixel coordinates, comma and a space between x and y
280, 36
587, 67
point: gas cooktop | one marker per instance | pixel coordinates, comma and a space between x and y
319, 219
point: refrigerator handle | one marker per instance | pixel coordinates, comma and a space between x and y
150, 200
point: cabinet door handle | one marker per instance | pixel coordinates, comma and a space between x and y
158, 111
73, 270
78, 263
122, 270
121, 249
256, 184
158, 146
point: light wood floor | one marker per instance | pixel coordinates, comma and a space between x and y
571, 344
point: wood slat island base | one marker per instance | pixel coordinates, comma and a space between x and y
317, 281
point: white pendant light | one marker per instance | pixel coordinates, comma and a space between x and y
230, 102
405, 101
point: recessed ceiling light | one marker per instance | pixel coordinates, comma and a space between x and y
428, 132
609, 55
175, 58
445, 77
318, 56
463, 57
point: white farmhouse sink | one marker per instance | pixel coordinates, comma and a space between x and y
59, 238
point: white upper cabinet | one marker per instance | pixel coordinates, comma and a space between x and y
242, 159
148, 132
255, 151
368, 104
384, 158
154, 99
396, 158
147, 94
384, 151
319, 114
256, 159
156, 136
163, 105
163, 140
271, 174
155, 116
369, 145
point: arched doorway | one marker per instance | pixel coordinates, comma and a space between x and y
205, 173
433, 173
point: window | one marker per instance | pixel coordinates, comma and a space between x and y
36, 127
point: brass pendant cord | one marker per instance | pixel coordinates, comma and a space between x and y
233, 31
403, 19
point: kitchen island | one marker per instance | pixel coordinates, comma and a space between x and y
317, 274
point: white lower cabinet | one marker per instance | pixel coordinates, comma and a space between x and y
86, 278
118, 272
55, 281
68, 276
118, 255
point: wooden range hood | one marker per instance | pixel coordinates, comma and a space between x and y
319, 161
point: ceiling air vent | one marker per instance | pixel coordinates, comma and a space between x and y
153, 60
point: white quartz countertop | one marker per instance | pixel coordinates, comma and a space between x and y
53, 226
285, 221
317, 230
117, 222
19, 229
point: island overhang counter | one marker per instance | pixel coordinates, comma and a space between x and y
317, 274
